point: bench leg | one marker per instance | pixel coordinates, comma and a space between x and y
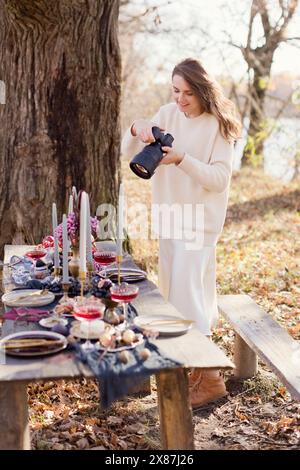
14, 426
176, 425
245, 359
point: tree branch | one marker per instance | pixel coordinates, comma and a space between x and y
263, 11
296, 38
253, 13
230, 42
287, 14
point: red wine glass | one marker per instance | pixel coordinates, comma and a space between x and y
87, 310
105, 258
124, 293
35, 254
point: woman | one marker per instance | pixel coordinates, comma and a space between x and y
194, 172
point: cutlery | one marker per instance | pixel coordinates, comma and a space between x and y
32, 294
10, 265
168, 322
30, 343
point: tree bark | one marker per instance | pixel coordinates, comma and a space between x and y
256, 113
61, 65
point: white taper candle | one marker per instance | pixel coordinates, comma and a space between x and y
54, 216
83, 230
74, 192
120, 219
89, 256
70, 209
65, 250
54, 225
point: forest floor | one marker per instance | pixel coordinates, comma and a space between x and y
258, 254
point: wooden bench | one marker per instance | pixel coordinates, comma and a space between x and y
256, 333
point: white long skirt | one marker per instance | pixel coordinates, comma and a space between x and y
187, 279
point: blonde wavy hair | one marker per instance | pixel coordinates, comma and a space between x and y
211, 97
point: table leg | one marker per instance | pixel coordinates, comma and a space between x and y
175, 412
14, 426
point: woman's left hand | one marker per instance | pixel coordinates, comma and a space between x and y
171, 156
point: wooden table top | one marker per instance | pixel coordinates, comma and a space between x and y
192, 349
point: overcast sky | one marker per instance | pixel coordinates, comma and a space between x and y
220, 18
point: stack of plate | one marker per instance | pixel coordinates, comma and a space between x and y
127, 274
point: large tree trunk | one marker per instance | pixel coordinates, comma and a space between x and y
59, 127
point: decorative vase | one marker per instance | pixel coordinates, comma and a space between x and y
74, 263
111, 315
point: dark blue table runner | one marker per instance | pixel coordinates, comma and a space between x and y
115, 379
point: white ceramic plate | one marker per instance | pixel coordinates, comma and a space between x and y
163, 324
49, 322
122, 348
34, 351
80, 329
12, 298
127, 274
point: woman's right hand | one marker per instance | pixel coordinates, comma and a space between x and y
142, 129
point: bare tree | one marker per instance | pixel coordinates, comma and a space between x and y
252, 96
59, 127
259, 61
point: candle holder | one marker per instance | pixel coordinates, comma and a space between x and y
119, 261
57, 274
74, 263
82, 278
90, 270
66, 287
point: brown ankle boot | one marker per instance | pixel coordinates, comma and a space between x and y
194, 377
209, 388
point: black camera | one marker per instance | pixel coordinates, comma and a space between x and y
146, 161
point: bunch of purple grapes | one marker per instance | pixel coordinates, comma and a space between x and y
101, 287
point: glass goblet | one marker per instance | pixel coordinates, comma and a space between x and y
35, 254
124, 293
87, 310
105, 258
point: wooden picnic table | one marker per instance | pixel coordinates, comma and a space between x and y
192, 349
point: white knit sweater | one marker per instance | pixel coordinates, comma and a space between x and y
203, 176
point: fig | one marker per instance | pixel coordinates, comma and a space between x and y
145, 354
128, 336
105, 339
124, 357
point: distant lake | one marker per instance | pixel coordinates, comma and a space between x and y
279, 150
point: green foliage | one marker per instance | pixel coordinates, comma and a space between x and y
296, 97
263, 385
266, 127
250, 151
263, 83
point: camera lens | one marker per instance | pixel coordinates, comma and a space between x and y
141, 168
145, 162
